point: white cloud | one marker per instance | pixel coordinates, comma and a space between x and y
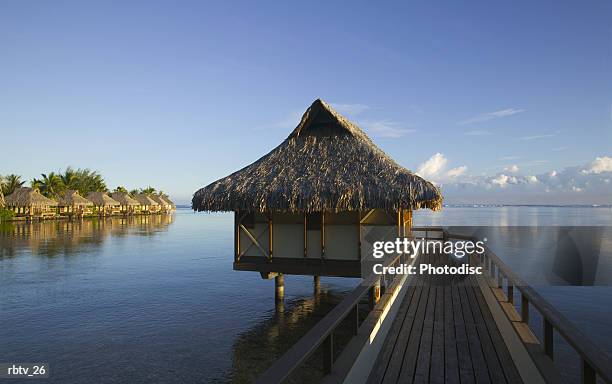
535, 137
433, 166
351, 109
492, 115
435, 170
456, 172
512, 168
599, 165
385, 128
478, 133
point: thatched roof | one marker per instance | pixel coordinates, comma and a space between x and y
326, 164
101, 199
168, 201
145, 199
160, 200
72, 198
26, 197
124, 199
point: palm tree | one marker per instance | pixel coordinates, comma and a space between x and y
11, 182
148, 190
89, 181
162, 194
134, 192
120, 189
50, 185
70, 178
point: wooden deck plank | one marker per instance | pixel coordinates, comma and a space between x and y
479, 363
421, 373
451, 364
436, 373
496, 372
393, 342
408, 367
507, 364
466, 368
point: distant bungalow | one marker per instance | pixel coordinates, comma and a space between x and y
71, 203
301, 208
147, 204
128, 205
28, 202
165, 205
104, 204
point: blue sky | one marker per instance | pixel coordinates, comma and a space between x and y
479, 96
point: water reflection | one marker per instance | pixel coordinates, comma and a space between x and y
68, 237
256, 349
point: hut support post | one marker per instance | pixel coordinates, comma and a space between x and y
374, 294
322, 234
270, 237
317, 284
279, 287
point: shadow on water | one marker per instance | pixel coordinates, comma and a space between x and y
68, 237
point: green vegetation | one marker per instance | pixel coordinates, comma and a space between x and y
54, 184
6, 214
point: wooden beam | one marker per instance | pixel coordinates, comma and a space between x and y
270, 236
253, 239
366, 216
305, 235
322, 234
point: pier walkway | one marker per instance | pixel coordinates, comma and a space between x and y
444, 332
443, 329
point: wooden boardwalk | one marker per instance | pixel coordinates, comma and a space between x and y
444, 333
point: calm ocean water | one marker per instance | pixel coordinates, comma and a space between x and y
156, 300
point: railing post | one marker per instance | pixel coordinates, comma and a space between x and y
354, 319
524, 309
510, 293
328, 353
588, 373
548, 339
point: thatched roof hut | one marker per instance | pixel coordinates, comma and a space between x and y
145, 200
28, 197
168, 201
101, 199
72, 198
326, 164
124, 199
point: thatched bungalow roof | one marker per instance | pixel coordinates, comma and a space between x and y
160, 200
72, 198
124, 199
101, 199
168, 201
326, 164
145, 199
28, 197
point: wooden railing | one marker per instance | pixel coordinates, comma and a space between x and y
594, 361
